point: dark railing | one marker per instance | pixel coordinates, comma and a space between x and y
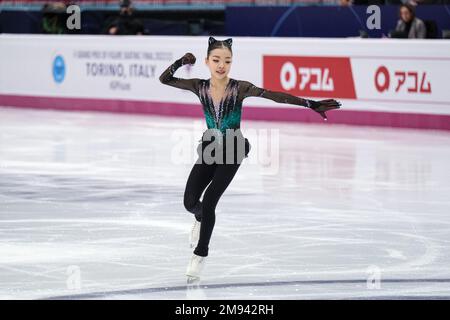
138, 3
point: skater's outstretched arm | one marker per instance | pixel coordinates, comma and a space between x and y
186, 84
322, 106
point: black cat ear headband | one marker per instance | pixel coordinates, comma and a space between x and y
228, 42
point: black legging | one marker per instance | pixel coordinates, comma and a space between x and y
218, 176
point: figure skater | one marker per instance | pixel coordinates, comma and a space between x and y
221, 98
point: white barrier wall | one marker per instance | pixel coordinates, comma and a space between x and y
379, 81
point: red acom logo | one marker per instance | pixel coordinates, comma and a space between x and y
309, 76
383, 81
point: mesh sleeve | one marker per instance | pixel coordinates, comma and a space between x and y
185, 84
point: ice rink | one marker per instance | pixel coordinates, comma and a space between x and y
91, 207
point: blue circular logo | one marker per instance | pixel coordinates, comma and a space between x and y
59, 69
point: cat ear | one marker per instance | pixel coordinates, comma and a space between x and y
211, 40
229, 41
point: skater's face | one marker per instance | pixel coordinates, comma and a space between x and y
219, 62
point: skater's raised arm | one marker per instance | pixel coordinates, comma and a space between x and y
186, 84
322, 106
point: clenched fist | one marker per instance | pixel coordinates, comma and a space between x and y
188, 58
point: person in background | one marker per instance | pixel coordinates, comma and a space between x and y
125, 23
408, 24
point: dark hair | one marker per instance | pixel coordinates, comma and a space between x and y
215, 44
410, 7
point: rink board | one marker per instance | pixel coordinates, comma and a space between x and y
381, 82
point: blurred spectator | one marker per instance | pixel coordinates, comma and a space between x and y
409, 26
345, 3
54, 18
125, 23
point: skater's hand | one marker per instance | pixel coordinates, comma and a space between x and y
188, 58
323, 106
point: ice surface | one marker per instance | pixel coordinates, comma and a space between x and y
91, 206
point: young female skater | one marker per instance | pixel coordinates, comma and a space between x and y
221, 98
